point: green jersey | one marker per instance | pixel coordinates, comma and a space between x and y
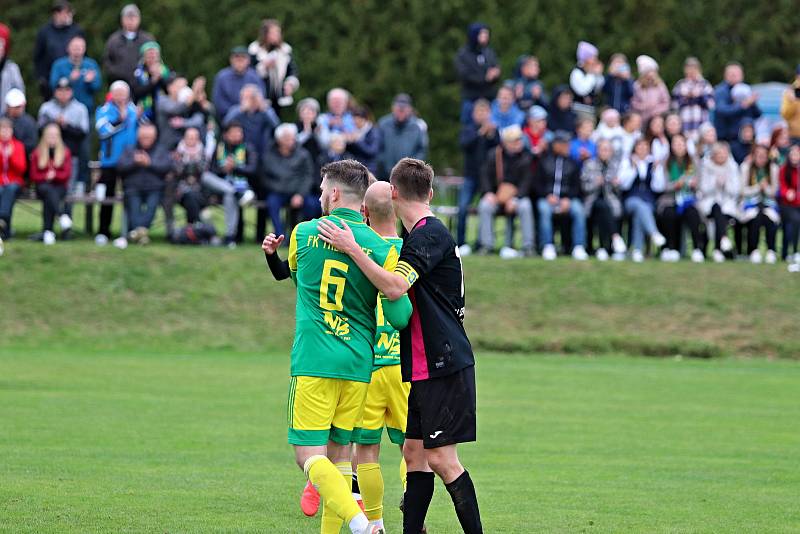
335, 324
387, 338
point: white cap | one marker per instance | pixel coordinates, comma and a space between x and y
15, 98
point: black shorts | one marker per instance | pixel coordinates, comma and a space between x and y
441, 411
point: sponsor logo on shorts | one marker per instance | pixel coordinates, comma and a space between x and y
436, 434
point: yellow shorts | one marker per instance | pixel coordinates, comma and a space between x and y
324, 409
386, 405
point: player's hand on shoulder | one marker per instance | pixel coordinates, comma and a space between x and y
271, 243
341, 238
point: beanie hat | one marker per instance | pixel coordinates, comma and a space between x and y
585, 52
645, 64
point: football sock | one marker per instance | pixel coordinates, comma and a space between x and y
417, 499
334, 488
371, 490
332, 523
462, 491
403, 472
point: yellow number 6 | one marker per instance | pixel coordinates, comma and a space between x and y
336, 281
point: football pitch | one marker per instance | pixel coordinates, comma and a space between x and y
148, 442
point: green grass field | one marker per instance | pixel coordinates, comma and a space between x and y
144, 391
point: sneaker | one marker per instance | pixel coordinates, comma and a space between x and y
797, 257
464, 250
755, 256
579, 253
144, 236
770, 258
49, 238
725, 244
65, 222
229, 242
794, 267
697, 256
665, 254
637, 256
658, 240
618, 244
549, 252
309, 500
618, 256
601, 254
718, 256
247, 198
508, 253
100, 240
121, 243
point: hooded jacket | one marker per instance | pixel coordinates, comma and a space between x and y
471, 62
560, 119
51, 44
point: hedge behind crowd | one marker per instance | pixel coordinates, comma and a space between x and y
377, 48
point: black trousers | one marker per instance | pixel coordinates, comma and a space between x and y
672, 224
602, 218
791, 229
721, 223
754, 232
109, 177
52, 197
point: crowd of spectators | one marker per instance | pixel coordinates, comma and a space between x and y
164, 142
622, 165
619, 165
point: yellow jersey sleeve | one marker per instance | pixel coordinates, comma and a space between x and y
293, 254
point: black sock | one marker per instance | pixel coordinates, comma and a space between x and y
462, 491
355, 484
419, 492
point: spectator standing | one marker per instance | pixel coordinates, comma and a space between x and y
51, 43
719, 195
365, 143
272, 59
650, 94
143, 169
790, 202
693, 96
586, 79
50, 169
190, 164
150, 80
338, 118
560, 116
759, 209
401, 136
743, 145
308, 133
505, 112
641, 181
72, 118
232, 168
121, 55
477, 68
790, 106
25, 128
13, 164
10, 76
728, 113
257, 117
83, 73
476, 139
289, 179
176, 112
537, 136
602, 203
676, 206
528, 90
116, 127
618, 86
506, 189
229, 81
582, 148
557, 187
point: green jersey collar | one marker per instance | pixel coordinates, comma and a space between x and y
348, 215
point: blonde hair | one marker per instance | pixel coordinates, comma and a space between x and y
44, 150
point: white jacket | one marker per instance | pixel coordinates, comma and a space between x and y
719, 184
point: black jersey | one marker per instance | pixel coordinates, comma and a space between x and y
434, 344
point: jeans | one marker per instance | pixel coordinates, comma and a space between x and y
52, 195
466, 110
488, 210
230, 205
465, 196
576, 215
8, 195
643, 221
790, 216
276, 201
141, 206
108, 177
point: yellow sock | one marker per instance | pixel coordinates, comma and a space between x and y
332, 523
403, 472
370, 480
335, 490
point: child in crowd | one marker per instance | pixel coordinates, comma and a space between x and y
719, 196
618, 87
759, 209
631, 132
610, 129
190, 163
582, 148
528, 90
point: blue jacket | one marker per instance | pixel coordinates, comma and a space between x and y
115, 134
258, 126
83, 91
618, 93
728, 115
514, 115
367, 148
228, 84
575, 147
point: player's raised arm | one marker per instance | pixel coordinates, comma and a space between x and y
389, 283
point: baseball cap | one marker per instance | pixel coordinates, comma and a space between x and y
562, 136
239, 51
60, 5
15, 98
131, 10
537, 113
62, 83
403, 99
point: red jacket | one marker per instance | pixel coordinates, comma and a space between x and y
63, 173
12, 168
790, 180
